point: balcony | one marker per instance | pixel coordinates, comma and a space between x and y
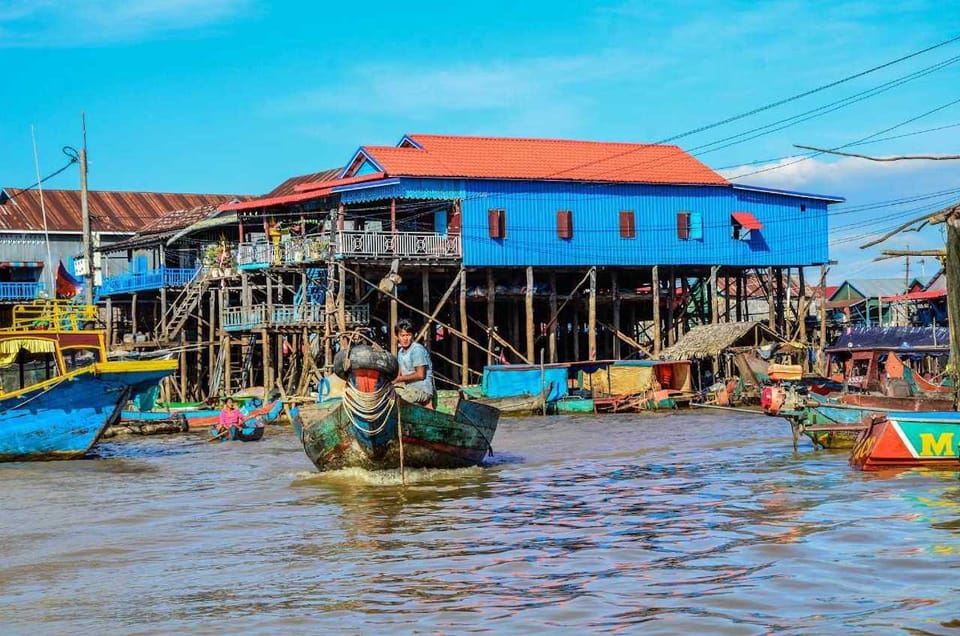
147, 280
293, 251
283, 316
20, 291
406, 245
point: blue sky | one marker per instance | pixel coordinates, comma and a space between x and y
234, 96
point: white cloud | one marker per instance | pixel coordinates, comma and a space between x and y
52, 23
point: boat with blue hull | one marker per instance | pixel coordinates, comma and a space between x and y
62, 413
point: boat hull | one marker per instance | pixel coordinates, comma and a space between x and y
64, 417
909, 439
431, 439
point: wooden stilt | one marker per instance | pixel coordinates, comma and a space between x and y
528, 312
425, 302
491, 305
714, 297
781, 317
655, 302
614, 284
163, 309
552, 331
592, 316
393, 301
108, 321
268, 379
771, 304
822, 344
464, 346
133, 315
576, 333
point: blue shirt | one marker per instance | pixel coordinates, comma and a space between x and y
416, 355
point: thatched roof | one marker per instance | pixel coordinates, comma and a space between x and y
708, 341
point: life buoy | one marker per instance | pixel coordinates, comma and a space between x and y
366, 357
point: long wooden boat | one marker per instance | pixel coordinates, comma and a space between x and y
909, 439
836, 421
201, 418
517, 405
63, 416
372, 427
251, 431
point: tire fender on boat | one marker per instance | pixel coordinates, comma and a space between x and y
365, 357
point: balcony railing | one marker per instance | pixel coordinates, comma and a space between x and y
20, 291
150, 279
261, 316
409, 245
293, 251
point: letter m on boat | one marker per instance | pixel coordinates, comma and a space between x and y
937, 446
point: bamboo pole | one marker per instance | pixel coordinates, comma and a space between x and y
464, 346
552, 330
614, 284
491, 306
424, 297
714, 298
592, 316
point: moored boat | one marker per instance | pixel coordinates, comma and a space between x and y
373, 428
909, 439
62, 415
250, 431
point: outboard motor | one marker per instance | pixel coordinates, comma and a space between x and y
772, 398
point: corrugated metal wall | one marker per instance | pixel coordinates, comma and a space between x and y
789, 236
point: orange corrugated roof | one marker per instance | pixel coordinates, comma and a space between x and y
542, 159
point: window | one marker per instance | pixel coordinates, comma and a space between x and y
565, 224
683, 226
741, 224
803, 207
497, 223
628, 226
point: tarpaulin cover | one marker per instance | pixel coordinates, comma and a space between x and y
510, 381
891, 338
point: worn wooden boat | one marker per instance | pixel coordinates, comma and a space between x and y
909, 439
373, 428
836, 421
251, 431
517, 405
62, 415
267, 412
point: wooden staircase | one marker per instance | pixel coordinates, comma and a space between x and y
183, 307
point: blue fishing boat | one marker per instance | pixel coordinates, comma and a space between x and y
68, 393
250, 431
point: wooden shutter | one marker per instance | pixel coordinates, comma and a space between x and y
565, 224
696, 226
496, 222
683, 226
628, 228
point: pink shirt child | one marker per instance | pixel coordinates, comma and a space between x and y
230, 417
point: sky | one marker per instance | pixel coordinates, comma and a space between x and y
234, 96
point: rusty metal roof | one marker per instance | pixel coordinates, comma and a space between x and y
109, 211
288, 186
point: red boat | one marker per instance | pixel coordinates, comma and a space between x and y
905, 440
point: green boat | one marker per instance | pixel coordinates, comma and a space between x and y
375, 429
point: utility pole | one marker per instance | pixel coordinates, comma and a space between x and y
85, 213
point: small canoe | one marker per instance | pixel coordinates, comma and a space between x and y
572, 404
249, 432
517, 405
372, 427
266, 412
909, 439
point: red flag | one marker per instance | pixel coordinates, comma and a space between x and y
66, 285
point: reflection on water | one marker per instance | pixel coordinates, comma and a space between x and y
682, 523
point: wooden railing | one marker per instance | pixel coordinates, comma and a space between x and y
150, 279
53, 314
261, 316
295, 250
409, 245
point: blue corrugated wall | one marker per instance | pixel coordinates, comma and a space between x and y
790, 235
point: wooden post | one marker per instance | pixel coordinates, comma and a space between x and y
552, 331
163, 309
741, 284
781, 318
183, 370
655, 294
491, 305
823, 321
802, 304
576, 333
211, 339
592, 316
425, 298
614, 283
227, 363
329, 306
268, 379
951, 269
464, 346
393, 301
771, 306
528, 307
133, 315
714, 298
109, 322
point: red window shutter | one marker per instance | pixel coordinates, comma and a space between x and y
683, 226
628, 228
565, 224
496, 222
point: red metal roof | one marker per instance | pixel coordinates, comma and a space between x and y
290, 185
542, 159
747, 221
919, 295
109, 211
305, 192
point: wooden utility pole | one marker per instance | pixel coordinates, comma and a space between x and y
89, 280
951, 268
